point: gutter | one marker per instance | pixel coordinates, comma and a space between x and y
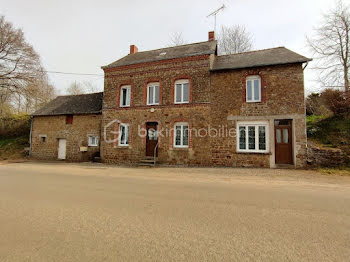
30, 135
305, 65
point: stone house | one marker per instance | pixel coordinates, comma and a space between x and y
187, 105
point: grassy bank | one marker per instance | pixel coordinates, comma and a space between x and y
13, 147
330, 132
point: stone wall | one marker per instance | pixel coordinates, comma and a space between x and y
217, 101
196, 113
325, 157
55, 127
282, 98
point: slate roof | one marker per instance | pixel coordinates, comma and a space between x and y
266, 57
73, 104
202, 48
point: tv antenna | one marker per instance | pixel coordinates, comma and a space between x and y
215, 13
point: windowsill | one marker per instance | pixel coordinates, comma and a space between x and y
180, 148
254, 152
181, 103
92, 145
152, 105
122, 146
124, 106
253, 102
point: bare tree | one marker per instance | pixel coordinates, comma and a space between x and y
234, 39
18, 60
90, 87
176, 39
75, 88
331, 45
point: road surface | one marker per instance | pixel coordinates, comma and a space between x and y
84, 212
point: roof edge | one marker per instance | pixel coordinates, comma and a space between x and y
64, 114
262, 65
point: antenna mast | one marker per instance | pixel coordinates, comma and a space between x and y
215, 13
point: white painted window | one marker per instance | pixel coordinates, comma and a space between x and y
153, 94
92, 140
125, 95
181, 135
253, 137
182, 91
123, 135
253, 89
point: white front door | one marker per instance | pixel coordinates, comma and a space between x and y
61, 148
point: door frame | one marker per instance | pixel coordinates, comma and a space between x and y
153, 123
290, 139
65, 149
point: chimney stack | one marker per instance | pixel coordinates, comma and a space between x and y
211, 36
133, 49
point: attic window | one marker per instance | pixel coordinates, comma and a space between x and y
69, 119
163, 53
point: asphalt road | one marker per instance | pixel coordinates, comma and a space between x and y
65, 212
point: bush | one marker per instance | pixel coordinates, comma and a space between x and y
315, 106
337, 101
15, 125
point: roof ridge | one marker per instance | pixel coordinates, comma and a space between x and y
253, 51
173, 47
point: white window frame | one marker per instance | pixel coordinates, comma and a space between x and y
252, 78
128, 96
127, 128
90, 143
153, 85
256, 124
182, 81
181, 124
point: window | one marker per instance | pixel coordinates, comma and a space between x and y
253, 89
153, 94
69, 119
42, 138
125, 94
182, 91
181, 135
252, 137
123, 135
93, 141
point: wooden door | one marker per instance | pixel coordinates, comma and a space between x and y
62, 149
283, 142
151, 138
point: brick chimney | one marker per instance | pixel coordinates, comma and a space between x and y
133, 49
211, 36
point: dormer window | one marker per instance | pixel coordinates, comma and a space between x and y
182, 91
125, 95
253, 89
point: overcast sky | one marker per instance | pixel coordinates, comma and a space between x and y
81, 36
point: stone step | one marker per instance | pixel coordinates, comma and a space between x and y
145, 164
147, 161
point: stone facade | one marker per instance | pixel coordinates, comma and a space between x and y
196, 113
76, 135
282, 98
217, 101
